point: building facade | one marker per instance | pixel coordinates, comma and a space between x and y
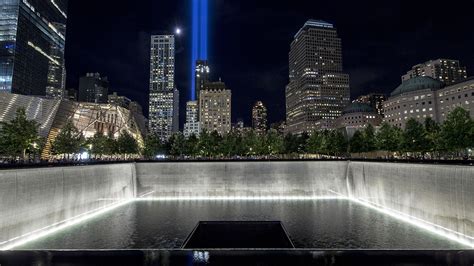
192, 127
358, 116
201, 76
32, 31
52, 115
164, 114
374, 100
215, 108
445, 70
116, 99
259, 118
164, 97
424, 97
93, 88
319, 89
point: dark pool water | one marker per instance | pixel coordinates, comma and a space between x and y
324, 224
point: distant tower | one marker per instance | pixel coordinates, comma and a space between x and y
445, 70
164, 97
201, 76
93, 88
259, 118
199, 36
318, 90
192, 127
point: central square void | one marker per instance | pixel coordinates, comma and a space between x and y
242, 234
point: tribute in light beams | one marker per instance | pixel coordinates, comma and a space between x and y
199, 38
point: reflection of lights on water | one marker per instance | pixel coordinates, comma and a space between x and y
201, 256
204, 256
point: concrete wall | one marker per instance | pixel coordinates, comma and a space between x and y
242, 179
440, 194
31, 199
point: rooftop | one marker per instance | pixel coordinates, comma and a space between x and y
315, 23
416, 84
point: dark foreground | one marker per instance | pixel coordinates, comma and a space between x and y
237, 257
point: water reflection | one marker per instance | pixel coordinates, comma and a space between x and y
325, 224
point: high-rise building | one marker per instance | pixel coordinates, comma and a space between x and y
445, 70
115, 99
318, 90
259, 118
93, 88
215, 108
164, 97
374, 100
192, 127
32, 42
201, 76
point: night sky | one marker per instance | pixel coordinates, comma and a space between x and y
250, 41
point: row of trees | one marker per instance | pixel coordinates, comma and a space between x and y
19, 139
454, 137
71, 142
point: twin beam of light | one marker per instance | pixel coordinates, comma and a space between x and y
417, 222
200, 13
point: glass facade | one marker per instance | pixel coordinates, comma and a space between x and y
33, 31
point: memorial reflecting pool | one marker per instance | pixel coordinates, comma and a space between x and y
318, 224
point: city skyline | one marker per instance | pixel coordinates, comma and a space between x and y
379, 71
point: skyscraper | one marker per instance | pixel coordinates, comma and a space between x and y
164, 97
319, 89
201, 76
259, 117
215, 108
93, 88
192, 127
32, 42
445, 70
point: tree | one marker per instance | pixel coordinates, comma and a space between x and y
230, 143
192, 145
127, 144
19, 136
388, 138
97, 145
206, 143
153, 146
250, 143
178, 144
315, 142
356, 144
433, 138
69, 140
414, 137
457, 130
370, 142
111, 145
273, 142
337, 142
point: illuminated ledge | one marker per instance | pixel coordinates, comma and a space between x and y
447, 233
